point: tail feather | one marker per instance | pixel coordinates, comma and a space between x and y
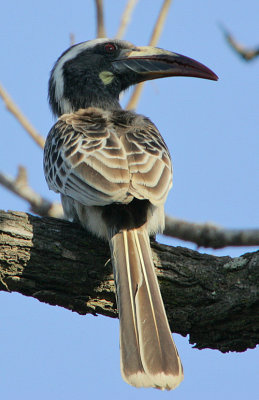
149, 357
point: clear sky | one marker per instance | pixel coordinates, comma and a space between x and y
211, 129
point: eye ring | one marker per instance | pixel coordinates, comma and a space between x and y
109, 48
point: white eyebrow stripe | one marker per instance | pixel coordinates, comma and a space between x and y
57, 76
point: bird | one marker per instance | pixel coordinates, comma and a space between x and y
113, 171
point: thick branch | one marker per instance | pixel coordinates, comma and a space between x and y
213, 299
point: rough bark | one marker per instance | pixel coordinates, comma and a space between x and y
213, 299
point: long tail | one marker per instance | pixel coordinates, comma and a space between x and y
149, 357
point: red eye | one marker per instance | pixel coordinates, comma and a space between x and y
109, 48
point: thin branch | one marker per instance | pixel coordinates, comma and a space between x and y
100, 19
209, 235
204, 235
125, 19
132, 104
134, 99
160, 23
244, 52
12, 107
38, 204
72, 39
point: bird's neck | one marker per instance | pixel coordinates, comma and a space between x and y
108, 103
93, 99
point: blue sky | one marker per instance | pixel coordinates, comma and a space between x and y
211, 129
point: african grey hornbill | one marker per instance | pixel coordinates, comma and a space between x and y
113, 171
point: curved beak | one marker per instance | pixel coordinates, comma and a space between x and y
146, 63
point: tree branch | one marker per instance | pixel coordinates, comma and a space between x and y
133, 101
100, 19
125, 19
209, 235
72, 39
213, 299
244, 52
12, 107
160, 23
204, 235
38, 204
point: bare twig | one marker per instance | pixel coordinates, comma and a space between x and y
12, 107
72, 39
209, 235
39, 205
160, 23
244, 52
133, 101
125, 19
100, 19
204, 235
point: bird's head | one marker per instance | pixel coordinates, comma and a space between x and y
93, 73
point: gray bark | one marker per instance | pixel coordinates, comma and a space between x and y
213, 299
